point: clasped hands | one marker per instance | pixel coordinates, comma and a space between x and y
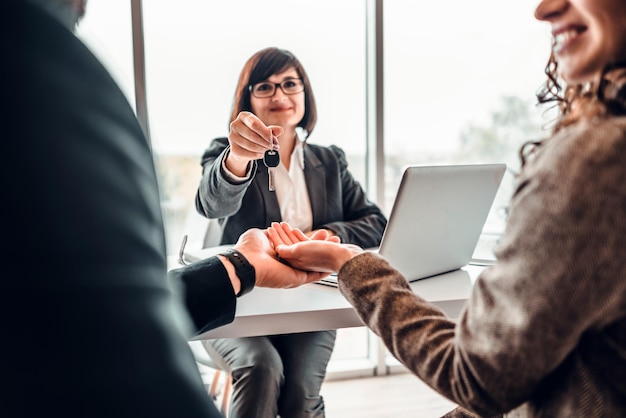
285, 257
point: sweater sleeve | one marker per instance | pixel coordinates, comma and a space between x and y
558, 280
218, 196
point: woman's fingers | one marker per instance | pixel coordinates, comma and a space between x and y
295, 234
249, 137
319, 234
281, 234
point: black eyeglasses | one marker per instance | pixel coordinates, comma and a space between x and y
267, 89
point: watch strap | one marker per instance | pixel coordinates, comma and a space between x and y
244, 270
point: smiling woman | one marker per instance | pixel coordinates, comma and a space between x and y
311, 187
587, 35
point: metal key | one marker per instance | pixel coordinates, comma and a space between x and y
271, 159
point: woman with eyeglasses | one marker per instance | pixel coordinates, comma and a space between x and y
310, 187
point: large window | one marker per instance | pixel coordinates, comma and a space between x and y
459, 82
194, 53
458, 79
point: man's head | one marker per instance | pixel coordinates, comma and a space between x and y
69, 12
77, 9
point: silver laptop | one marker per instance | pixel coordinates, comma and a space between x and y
437, 217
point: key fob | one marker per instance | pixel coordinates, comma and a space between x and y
271, 158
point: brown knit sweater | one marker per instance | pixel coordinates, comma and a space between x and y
544, 331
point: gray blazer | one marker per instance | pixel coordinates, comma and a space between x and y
338, 201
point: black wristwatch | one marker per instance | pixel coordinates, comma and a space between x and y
245, 271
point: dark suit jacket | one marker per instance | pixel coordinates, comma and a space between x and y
90, 326
338, 202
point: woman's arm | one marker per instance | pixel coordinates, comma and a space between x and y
557, 284
219, 195
229, 165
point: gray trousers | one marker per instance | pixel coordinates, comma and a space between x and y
278, 375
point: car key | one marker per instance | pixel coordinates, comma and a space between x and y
271, 159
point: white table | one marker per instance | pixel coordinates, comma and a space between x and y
316, 307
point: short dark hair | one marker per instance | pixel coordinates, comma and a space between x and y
260, 67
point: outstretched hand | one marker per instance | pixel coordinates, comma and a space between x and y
318, 253
249, 137
255, 245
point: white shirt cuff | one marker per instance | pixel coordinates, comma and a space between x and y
232, 177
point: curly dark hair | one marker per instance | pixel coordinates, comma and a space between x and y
578, 102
